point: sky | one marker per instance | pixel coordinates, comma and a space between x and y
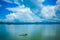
29, 10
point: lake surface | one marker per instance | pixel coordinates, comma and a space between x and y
33, 31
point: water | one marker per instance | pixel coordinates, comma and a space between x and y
34, 32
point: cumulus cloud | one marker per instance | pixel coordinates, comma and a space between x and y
58, 2
58, 5
11, 17
58, 8
22, 13
48, 12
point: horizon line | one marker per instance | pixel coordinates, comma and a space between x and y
21, 23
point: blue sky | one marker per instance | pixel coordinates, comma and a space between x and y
29, 10
50, 2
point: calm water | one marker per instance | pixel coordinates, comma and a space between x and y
34, 32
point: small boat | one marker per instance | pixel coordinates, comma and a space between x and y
23, 35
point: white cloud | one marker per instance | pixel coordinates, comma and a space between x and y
10, 17
13, 1
22, 13
58, 5
48, 12
58, 8
58, 2
8, 1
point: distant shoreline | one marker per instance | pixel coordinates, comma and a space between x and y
22, 23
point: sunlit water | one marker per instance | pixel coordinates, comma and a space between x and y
34, 32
